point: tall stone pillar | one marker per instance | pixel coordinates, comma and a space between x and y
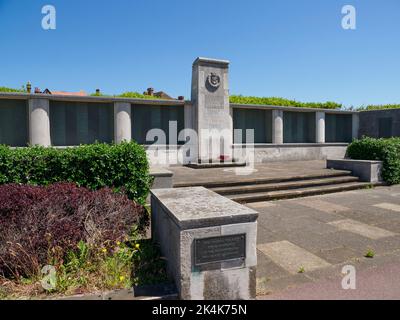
211, 112
355, 125
122, 122
277, 126
39, 122
320, 127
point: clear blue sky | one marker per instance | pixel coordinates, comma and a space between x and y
290, 48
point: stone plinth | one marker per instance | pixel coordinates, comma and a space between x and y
366, 170
209, 242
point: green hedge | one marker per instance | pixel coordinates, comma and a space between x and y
386, 150
123, 167
275, 101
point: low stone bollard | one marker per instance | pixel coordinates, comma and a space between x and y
209, 242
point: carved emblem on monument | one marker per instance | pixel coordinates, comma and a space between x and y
214, 80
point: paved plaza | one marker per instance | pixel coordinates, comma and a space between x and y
304, 243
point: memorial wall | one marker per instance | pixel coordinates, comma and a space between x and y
280, 133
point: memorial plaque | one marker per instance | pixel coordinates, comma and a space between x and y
219, 249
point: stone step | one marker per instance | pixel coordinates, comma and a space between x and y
256, 188
216, 165
301, 192
252, 181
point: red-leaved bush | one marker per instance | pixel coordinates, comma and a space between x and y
37, 223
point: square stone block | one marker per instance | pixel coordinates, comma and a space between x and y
184, 218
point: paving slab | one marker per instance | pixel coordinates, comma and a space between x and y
325, 217
337, 255
268, 270
321, 205
291, 257
386, 245
388, 206
371, 284
362, 229
262, 204
369, 215
351, 241
265, 235
391, 225
312, 242
267, 287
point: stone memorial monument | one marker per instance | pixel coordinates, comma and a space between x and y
211, 116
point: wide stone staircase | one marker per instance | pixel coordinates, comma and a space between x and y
255, 190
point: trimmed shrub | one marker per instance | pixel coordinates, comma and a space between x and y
276, 101
40, 225
386, 150
122, 167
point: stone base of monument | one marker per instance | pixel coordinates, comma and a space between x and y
216, 165
219, 163
209, 242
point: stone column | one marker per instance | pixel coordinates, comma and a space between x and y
277, 126
39, 122
122, 122
320, 127
211, 109
355, 125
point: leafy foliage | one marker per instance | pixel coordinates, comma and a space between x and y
379, 107
137, 95
369, 254
41, 225
122, 167
99, 95
386, 150
275, 101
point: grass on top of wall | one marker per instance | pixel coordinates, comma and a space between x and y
6, 89
276, 101
130, 94
379, 107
